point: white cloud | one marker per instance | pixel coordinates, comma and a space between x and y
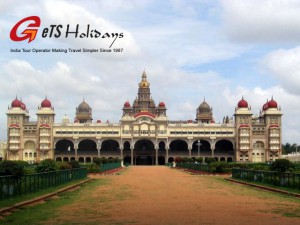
284, 65
262, 20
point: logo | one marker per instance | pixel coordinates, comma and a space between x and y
61, 31
29, 34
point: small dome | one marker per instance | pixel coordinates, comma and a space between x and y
242, 103
265, 106
272, 104
127, 104
23, 106
161, 104
16, 103
204, 107
46, 103
98, 121
84, 107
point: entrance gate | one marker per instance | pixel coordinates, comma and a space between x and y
144, 152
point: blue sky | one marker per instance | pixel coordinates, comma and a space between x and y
219, 50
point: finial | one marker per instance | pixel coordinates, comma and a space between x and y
204, 99
83, 99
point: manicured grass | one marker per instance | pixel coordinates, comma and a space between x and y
38, 214
12, 201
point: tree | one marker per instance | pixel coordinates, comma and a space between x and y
46, 165
282, 165
12, 167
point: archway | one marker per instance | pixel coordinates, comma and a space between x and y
30, 152
144, 153
64, 147
87, 147
110, 148
258, 154
204, 148
179, 148
224, 148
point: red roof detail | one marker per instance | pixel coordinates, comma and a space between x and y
144, 114
212, 121
242, 103
98, 121
23, 106
16, 103
45, 125
274, 126
190, 121
46, 103
272, 104
161, 104
14, 125
126, 104
244, 125
265, 106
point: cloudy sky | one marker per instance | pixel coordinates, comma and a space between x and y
191, 50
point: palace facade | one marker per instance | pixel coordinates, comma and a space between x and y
144, 135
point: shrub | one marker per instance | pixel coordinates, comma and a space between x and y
282, 165
178, 159
15, 168
63, 166
74, 164
210, 160
110, 160
97, 161
199, 159
104, 160
220, 167
46, 165
93, 168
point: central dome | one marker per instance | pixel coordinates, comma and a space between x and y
204, 107
84, 107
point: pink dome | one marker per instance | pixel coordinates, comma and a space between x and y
126, 104
242, 103
265, 106
23, 106
46, 103
98, 121
272, 104
16, 103
161, 104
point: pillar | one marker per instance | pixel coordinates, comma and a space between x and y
213, 152
131, 151
156, 156
76, 156
98, 147
190, 152
167, 155
121, 156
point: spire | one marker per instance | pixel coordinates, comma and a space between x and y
144, 83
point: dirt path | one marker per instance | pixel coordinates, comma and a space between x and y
160, 195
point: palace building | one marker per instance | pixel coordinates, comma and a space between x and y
144, 135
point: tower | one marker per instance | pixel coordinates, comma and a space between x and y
144, 101
17, 115
45, 120
272, 118
204, 113
83, 113
243, 128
